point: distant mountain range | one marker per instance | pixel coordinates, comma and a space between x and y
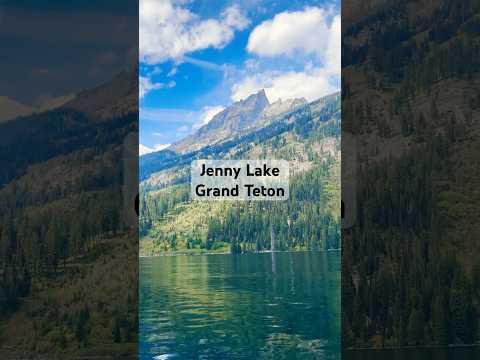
70, 127
114, 98
239, 118
10, 109
252, 119
117, 97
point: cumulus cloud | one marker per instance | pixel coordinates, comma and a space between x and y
168, 31
309, 38
145, 85
309, 84
313, 31
333, 54
208, 112
142, 149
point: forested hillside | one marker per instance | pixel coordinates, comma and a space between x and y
308, 136
63, 232
411, 100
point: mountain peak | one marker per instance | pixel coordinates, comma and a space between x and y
233, 120
260, 98
115, 98
279, 107
262, 94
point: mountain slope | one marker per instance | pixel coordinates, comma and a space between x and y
308, 116
410, 77
115, 98
308, 137
10, 109
62, 230
238, 119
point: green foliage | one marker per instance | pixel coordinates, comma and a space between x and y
81, 326
308, 137
404, 214
155, 205
260, 226
415, 327
308, 220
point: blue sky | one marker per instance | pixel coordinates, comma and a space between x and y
197, 57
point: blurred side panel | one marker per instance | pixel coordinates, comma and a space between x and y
411, 148
68, 179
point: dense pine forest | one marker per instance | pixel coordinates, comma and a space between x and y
63, 231
309, 138
411, 275
264, 225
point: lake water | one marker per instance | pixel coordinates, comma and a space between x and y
254, 306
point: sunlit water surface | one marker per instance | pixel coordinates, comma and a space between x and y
281, 305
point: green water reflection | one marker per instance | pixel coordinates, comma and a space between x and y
255, 306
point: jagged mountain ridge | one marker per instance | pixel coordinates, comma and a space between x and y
101, 115
308, 116
115, 98
241, 117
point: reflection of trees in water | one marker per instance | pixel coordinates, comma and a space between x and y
253, 304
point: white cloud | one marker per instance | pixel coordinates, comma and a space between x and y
159, 147
183, 129
205, 64
313, 31
142, 149
145, 85
168, 31
310, 39
172, 72
156, 70
208, 112
251, 64
310, 84
334, 47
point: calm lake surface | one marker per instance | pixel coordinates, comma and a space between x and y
255, 306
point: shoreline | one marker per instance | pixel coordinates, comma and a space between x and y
229, 253
413, 347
